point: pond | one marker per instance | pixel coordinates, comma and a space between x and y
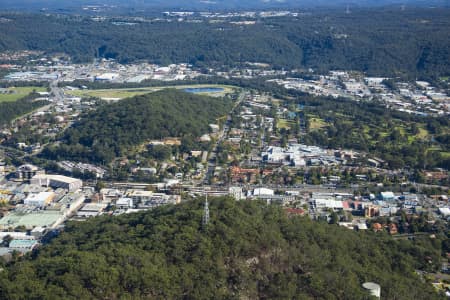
203, 90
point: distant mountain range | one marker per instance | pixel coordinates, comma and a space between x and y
208, 4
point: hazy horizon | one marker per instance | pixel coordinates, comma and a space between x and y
210, 4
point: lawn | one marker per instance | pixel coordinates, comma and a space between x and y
15, 93
423, 134
116, 94
316, 123
401, 129
283, 123
110, 94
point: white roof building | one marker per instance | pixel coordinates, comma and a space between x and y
40, 199
387, 196
124, 203
327, 203
263, 191
57, 181
16, 235
107, 76
140, 196
91, 210
445, 211
236, 192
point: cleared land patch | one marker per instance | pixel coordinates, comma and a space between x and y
14, 93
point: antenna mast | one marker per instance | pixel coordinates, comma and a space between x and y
205, 219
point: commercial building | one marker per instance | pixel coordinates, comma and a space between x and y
326, 203
387, 196
262, 191
276, 199
140, 196
158, 199
124, 203
106, 76
236, 192
298, 155
26, 172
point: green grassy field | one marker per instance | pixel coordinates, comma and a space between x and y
15, 93
445, 154
116, 94
316, 123
283, 123
423, 133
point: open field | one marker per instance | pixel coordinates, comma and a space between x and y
423, 133
15, 93
316, 123
445, 154
283, 123
117, 94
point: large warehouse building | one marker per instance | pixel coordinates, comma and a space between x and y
57, 181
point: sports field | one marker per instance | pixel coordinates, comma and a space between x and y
15, 93
117, 94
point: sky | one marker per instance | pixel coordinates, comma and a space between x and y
210, 4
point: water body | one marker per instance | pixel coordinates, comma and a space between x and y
203, 90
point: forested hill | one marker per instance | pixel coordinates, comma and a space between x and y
113, 129
11, 110
247, 251
411, 43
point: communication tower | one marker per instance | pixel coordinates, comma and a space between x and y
205, 219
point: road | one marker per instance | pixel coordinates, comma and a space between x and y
57, 92
212, 161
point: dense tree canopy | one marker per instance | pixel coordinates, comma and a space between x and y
11, 110
379, 41
113, 129
248, 250
402, 139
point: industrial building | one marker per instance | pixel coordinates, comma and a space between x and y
48, 219
23, 244
91, 210
57, 181
39, 200
106, 76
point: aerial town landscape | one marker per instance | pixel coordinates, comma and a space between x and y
150, 143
